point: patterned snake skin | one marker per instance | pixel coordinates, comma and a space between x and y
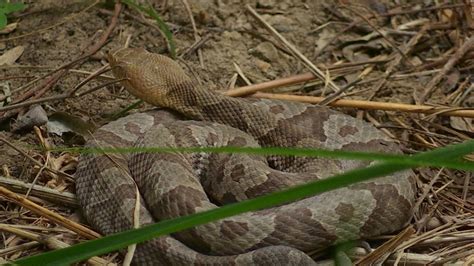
178, 184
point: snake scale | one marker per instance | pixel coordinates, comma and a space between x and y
177, 184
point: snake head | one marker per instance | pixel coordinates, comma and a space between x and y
148, 76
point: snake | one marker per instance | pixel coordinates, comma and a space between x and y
121, 191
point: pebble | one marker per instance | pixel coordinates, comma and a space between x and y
36, 116
266, 3
232, 35
279, 22
265, 51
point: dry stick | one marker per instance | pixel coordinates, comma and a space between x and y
424, 194
52, 216
94, 74
416, 135
377, 124
315, 70
468, 251
49, 241
386, 248
36, 101
195, 31
97, 88
246, 90
241, 74
430, 87
46, 193
454, 237
338, 94
49, 81
15, 77
372, 105
9, 250
300, 78
469, 247
428, 235
195, 46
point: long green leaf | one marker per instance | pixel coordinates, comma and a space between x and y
110, 243
307, 152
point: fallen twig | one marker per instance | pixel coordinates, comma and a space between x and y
50, 215
372, 105
254, 91
46, 193
382, 252
49, 241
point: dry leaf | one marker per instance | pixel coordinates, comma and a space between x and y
10, 56
9, 28
462, 123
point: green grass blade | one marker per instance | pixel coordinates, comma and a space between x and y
308, 152
149, 10
124, 111
110, 243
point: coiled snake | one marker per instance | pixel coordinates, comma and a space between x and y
178, 184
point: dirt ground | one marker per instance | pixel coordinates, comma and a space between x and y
420, 42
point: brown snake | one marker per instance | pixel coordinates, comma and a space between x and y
178, 184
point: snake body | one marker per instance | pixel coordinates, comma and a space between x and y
162, 186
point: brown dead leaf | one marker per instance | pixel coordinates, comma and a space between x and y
10, 56
9, 28
462, 123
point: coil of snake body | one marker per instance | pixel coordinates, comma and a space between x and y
177, 184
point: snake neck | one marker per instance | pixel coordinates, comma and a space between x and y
202, 104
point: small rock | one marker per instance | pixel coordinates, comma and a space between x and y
266, 51
232, 35
279, 22
266, 3
47, 37
36, 116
